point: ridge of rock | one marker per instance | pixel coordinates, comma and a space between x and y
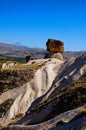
24, 95
62, 105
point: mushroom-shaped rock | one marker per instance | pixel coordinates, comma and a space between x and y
55, 46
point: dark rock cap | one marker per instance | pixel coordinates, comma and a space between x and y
55, 46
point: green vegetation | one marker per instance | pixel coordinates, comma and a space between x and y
8, 60
12, 59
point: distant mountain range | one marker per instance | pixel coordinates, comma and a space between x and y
20, 51
9, 50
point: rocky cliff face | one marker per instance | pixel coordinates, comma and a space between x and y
61, 106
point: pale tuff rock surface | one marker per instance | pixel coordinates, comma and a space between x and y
54, 55
73, 72
63, 105
24, 95
59, 122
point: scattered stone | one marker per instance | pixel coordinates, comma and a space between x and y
8, 65
28, 58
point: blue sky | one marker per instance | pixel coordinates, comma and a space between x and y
32, 22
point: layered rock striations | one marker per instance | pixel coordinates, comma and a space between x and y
62, 106
22, 96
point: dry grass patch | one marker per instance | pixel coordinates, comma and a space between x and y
17, 75
5, 106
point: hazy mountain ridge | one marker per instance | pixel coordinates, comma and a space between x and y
21, 51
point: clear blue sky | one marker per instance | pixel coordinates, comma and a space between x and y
32, 22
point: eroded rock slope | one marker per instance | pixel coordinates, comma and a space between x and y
21, 97
63, 106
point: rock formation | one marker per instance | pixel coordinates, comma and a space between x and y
23, 96
55, 48
28, 58
62, 106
